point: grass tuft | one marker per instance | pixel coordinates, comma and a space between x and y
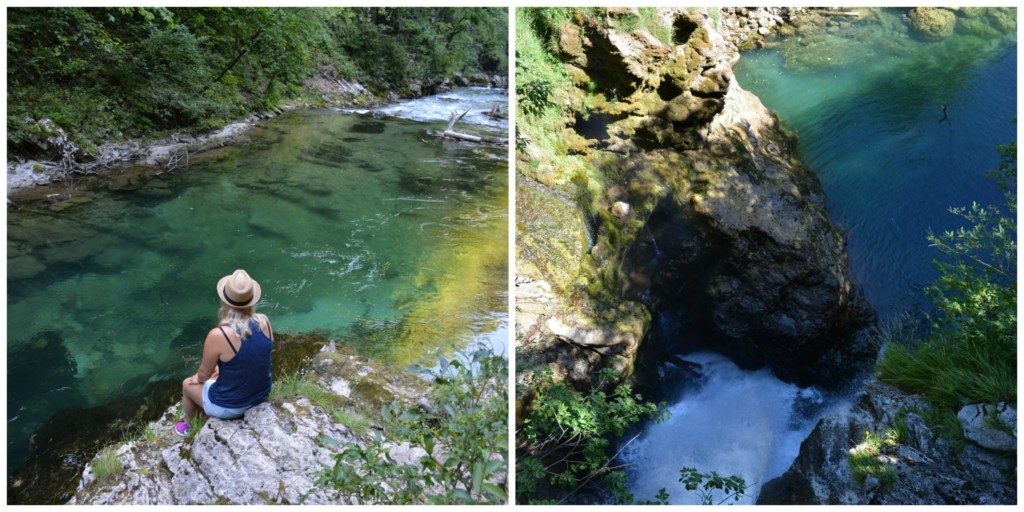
106, 465
868, 458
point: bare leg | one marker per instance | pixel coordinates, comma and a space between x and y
191, 398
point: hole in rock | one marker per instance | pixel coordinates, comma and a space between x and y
682, 29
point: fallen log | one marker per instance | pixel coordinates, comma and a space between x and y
450, 133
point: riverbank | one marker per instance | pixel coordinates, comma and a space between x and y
278, 443
179, 150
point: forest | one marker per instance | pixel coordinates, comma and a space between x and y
112, 73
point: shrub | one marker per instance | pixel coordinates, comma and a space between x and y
566, 439
707, 483
464, 433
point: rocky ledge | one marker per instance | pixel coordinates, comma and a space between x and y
271, 456
880, 450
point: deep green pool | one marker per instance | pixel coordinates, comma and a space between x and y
369, 230
865, 100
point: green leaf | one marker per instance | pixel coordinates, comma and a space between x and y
463, 495
328, 440
495, 491
478, 475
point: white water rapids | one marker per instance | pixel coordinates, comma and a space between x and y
439, 107
735, 422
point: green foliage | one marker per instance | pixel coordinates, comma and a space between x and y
109, 73
464, 433
707, 483
869, 457
150, 435
566, 439
716, 17
970, 355
543, 91
106, 465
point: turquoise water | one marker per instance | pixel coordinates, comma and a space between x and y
865, 101
369, 230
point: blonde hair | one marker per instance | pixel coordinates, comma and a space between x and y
240, 319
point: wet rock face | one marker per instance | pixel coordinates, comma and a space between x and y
743, 244
925, 469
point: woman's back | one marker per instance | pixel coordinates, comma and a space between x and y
245, 379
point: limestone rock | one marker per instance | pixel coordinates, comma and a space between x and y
748, 232
990, 426
270, 456
620, 209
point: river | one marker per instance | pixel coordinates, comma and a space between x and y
369, 230
865, 101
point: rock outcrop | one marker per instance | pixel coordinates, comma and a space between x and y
742, 242
271, 456
914, 467
725, 222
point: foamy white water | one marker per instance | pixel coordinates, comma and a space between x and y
439, 107
735, 422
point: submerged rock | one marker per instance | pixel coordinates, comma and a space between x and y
932, 22
907, 464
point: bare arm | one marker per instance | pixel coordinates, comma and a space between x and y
211, 355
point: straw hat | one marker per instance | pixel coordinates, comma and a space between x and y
238, 290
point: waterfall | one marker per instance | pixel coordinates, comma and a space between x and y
733, 421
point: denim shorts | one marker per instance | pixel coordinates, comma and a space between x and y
217, 411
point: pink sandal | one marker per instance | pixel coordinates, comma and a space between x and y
181, 428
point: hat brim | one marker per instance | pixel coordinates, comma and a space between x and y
224, 300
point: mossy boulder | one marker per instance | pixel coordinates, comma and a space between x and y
932, 22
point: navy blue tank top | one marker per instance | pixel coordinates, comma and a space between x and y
245, 380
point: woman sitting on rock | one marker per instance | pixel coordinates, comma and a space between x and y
234, 374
